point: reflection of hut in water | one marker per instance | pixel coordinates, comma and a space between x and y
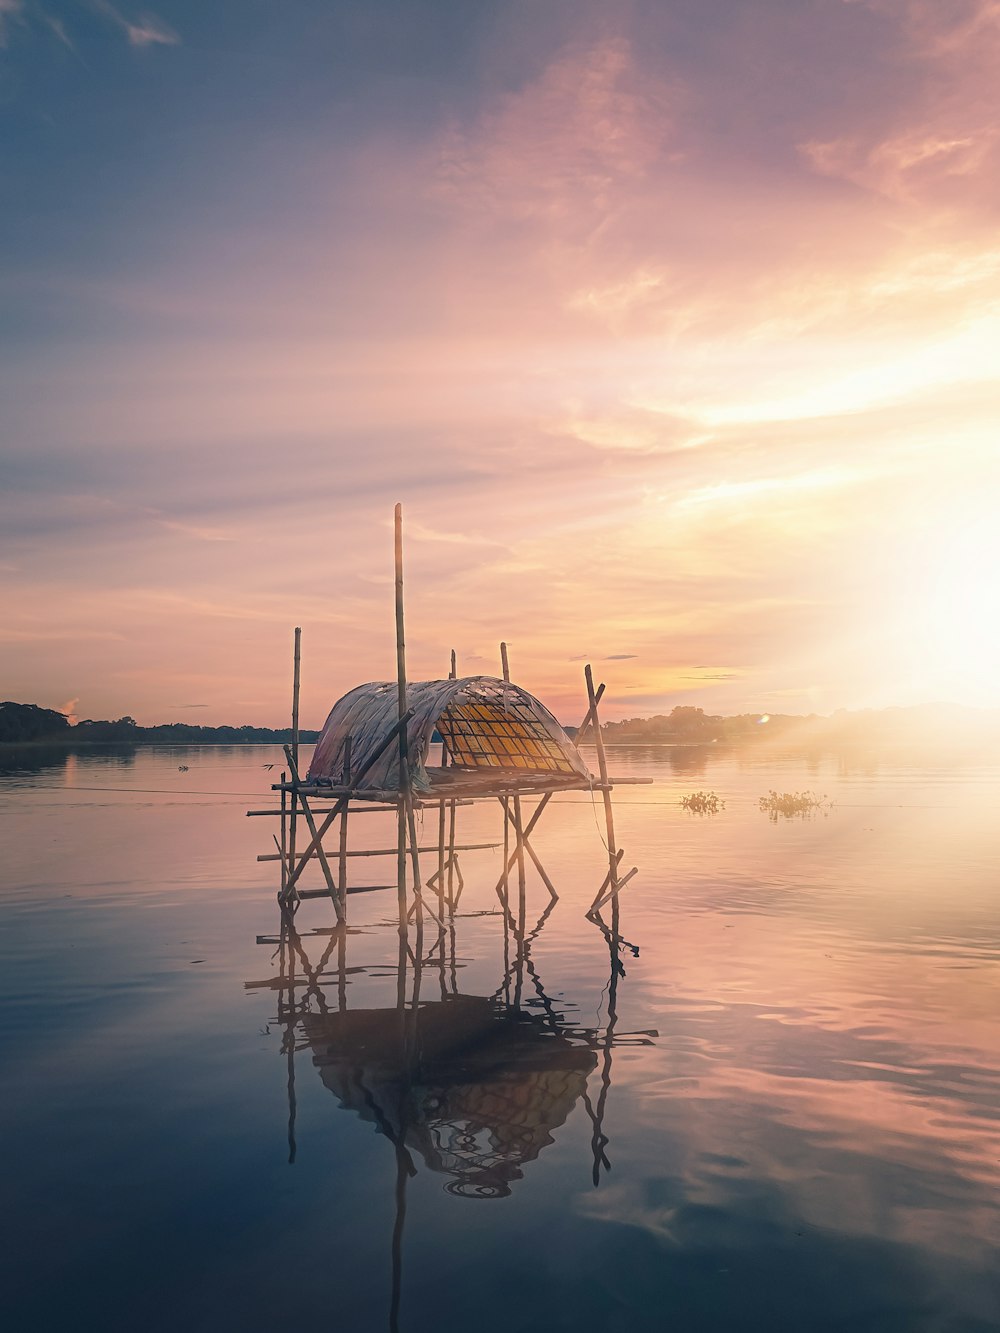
475, 1088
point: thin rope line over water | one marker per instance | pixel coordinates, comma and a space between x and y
619, 805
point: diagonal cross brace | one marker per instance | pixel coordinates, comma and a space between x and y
320, 853
344, 800
521, 840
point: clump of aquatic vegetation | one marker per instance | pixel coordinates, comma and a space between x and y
703, 803
792, 803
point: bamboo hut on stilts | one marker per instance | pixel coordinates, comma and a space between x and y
498, 742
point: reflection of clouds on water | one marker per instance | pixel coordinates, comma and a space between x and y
775, 1133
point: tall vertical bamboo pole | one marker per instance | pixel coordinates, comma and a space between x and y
296, 678
293, 814
452, 675
602, 764
342, 867
518, 835
404, 775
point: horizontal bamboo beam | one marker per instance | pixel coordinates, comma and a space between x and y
392, 851
359, 888
365, 808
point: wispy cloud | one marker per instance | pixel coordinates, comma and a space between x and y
11, 12
558, 150
142, 30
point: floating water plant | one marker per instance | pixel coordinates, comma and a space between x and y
703, 803
791, 803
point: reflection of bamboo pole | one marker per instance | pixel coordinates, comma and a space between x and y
289, 1037
600, 1139
402, 1162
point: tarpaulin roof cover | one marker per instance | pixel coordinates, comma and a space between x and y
487, 724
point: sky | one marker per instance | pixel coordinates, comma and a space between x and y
673, 325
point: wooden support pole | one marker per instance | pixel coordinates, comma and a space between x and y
452, 675
418, 888
506, 672
404, 773
602, 765
442, 830
342, 865
296, 680
293, 813
582, 728
518, 834
283, 845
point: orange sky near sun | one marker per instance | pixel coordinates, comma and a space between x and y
724, 425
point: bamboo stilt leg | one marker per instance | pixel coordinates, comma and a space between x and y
293, 815
283, 845
439, 884
342, 867
519, 838
582, 728
452, 901
602, 764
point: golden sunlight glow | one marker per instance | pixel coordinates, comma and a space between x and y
955, 611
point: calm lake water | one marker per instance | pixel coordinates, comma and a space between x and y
785, 1115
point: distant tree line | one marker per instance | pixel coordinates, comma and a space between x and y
693, 726
934, 725
28, 722
24, 723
